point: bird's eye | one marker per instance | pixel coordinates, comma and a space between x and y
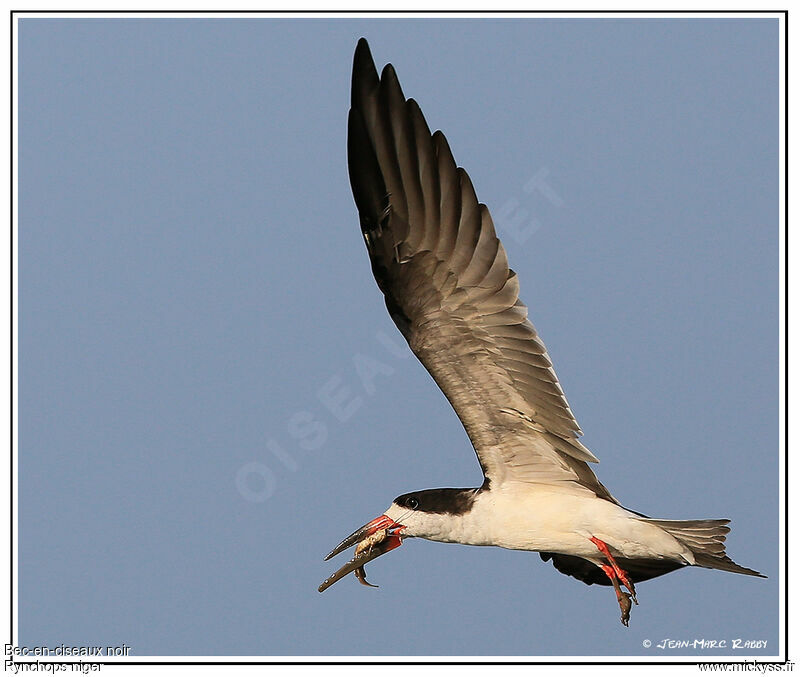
412, 503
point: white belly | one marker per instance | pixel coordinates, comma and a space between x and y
545, 519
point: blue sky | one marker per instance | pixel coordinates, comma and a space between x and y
212, 394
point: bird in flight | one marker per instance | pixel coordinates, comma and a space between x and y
448, 287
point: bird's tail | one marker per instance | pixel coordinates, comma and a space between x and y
706, 540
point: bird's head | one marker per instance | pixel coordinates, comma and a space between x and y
430, 514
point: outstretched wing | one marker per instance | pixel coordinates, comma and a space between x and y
449, 290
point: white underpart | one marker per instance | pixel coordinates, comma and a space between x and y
522, 516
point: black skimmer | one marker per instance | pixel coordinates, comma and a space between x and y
449, 290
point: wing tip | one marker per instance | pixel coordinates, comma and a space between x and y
363, 54
365, 75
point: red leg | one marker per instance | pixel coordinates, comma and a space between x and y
619, 573
608, 570
623, 598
